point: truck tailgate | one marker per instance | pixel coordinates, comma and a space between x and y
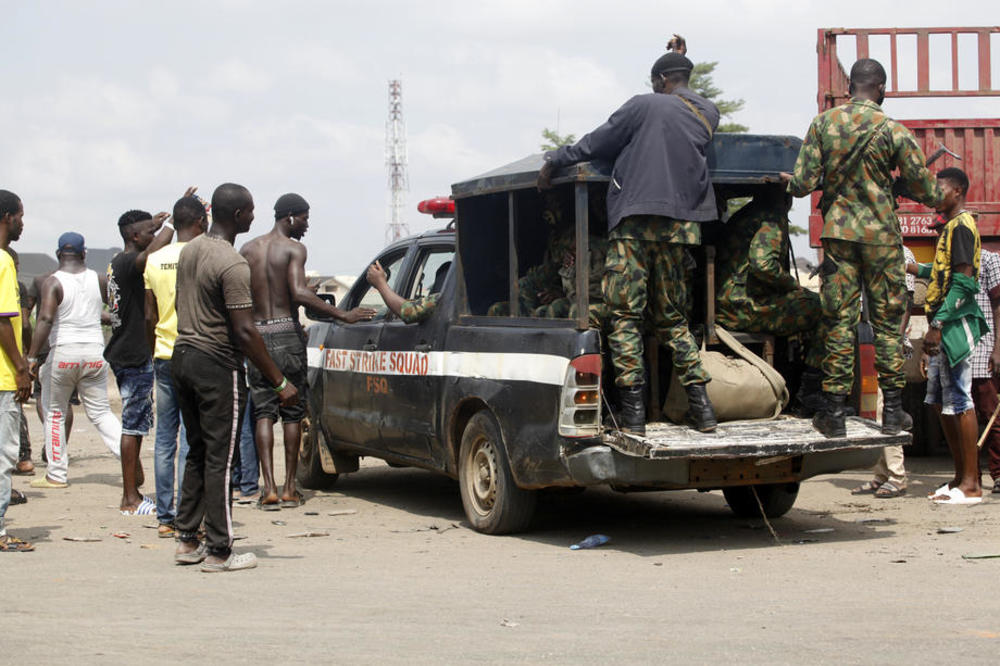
784, 436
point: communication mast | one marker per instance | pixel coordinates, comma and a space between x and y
395, 161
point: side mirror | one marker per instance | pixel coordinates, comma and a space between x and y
320, 316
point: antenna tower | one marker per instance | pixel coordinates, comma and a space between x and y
395, 162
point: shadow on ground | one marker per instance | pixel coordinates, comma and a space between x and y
647, 524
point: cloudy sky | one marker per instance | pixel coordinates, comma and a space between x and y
116, 105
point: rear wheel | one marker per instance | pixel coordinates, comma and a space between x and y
493, 502
776, 499
310, 473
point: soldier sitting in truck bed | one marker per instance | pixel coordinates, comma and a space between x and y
758, 294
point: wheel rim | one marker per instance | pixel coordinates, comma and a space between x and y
481, 469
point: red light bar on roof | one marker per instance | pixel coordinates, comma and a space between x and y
438, 207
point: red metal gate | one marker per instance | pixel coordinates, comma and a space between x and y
976, 140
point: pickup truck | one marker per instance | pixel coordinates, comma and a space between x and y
514, 403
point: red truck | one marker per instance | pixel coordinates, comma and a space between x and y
959, 58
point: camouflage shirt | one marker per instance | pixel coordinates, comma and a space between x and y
419, 309
862, 209
753, 258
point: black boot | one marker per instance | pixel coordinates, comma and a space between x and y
830, 421
894, 419
633, 414
809, 399
700, 414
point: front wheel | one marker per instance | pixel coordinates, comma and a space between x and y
493, 502
776, 499
310, 473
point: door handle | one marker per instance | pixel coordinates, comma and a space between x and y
423, 347
369, 346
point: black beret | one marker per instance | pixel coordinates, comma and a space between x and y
671, 62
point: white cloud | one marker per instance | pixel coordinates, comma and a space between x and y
237, 76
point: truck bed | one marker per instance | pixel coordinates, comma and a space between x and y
784, 436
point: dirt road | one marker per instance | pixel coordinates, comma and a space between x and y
404, 580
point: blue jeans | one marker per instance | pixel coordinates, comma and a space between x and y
949, 386
246, 474
168, 421
136, 388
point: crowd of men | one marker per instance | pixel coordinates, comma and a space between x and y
188, 317
207, 325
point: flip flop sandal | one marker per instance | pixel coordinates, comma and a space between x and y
956, 496
147, 507
888, 490
941, 490
867, 488
269, 506
233, 563
293, 503
17, 497
11, 544
196, 556
164, 531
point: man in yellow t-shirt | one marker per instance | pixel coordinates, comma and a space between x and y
15, 382
160, 279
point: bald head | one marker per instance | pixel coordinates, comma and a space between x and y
868, 79
229, 198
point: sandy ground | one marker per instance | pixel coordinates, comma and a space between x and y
404, 580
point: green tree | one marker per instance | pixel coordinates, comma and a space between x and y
553, 139
701, 82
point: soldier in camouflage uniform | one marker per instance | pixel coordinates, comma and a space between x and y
851, 151
658, 194
410, 311
756, 293
565, 307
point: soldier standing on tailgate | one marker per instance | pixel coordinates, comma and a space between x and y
659, 194
850, 151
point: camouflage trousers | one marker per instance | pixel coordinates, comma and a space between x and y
562, 308
641, 273
792, 313
880, 267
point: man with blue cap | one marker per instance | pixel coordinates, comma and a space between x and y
69, 317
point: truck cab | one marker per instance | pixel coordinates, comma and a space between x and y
511, 399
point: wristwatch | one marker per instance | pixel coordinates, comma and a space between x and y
935, 323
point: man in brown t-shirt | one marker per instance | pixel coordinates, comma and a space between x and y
214, 329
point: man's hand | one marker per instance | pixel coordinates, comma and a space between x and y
160, 218
23, 379
33, 369
924, 361
678, 44
358, 314
545, 176
546, 296
191, 190
376, 275
288, 396
785, 177
932, 341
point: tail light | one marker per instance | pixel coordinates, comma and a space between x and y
868, 409
580, 398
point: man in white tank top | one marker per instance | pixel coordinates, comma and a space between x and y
70, 318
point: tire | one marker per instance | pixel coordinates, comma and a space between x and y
310, 473
776, 498
493, 502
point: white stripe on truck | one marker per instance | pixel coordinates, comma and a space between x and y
537, 368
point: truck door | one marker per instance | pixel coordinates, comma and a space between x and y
410, 405
351, 362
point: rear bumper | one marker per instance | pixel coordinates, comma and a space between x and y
602, 465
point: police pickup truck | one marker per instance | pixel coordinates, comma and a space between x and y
511, 402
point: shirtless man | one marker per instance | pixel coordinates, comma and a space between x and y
278, 282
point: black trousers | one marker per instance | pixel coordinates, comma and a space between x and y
212, 399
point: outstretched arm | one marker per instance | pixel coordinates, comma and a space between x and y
302, 295
378, 279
